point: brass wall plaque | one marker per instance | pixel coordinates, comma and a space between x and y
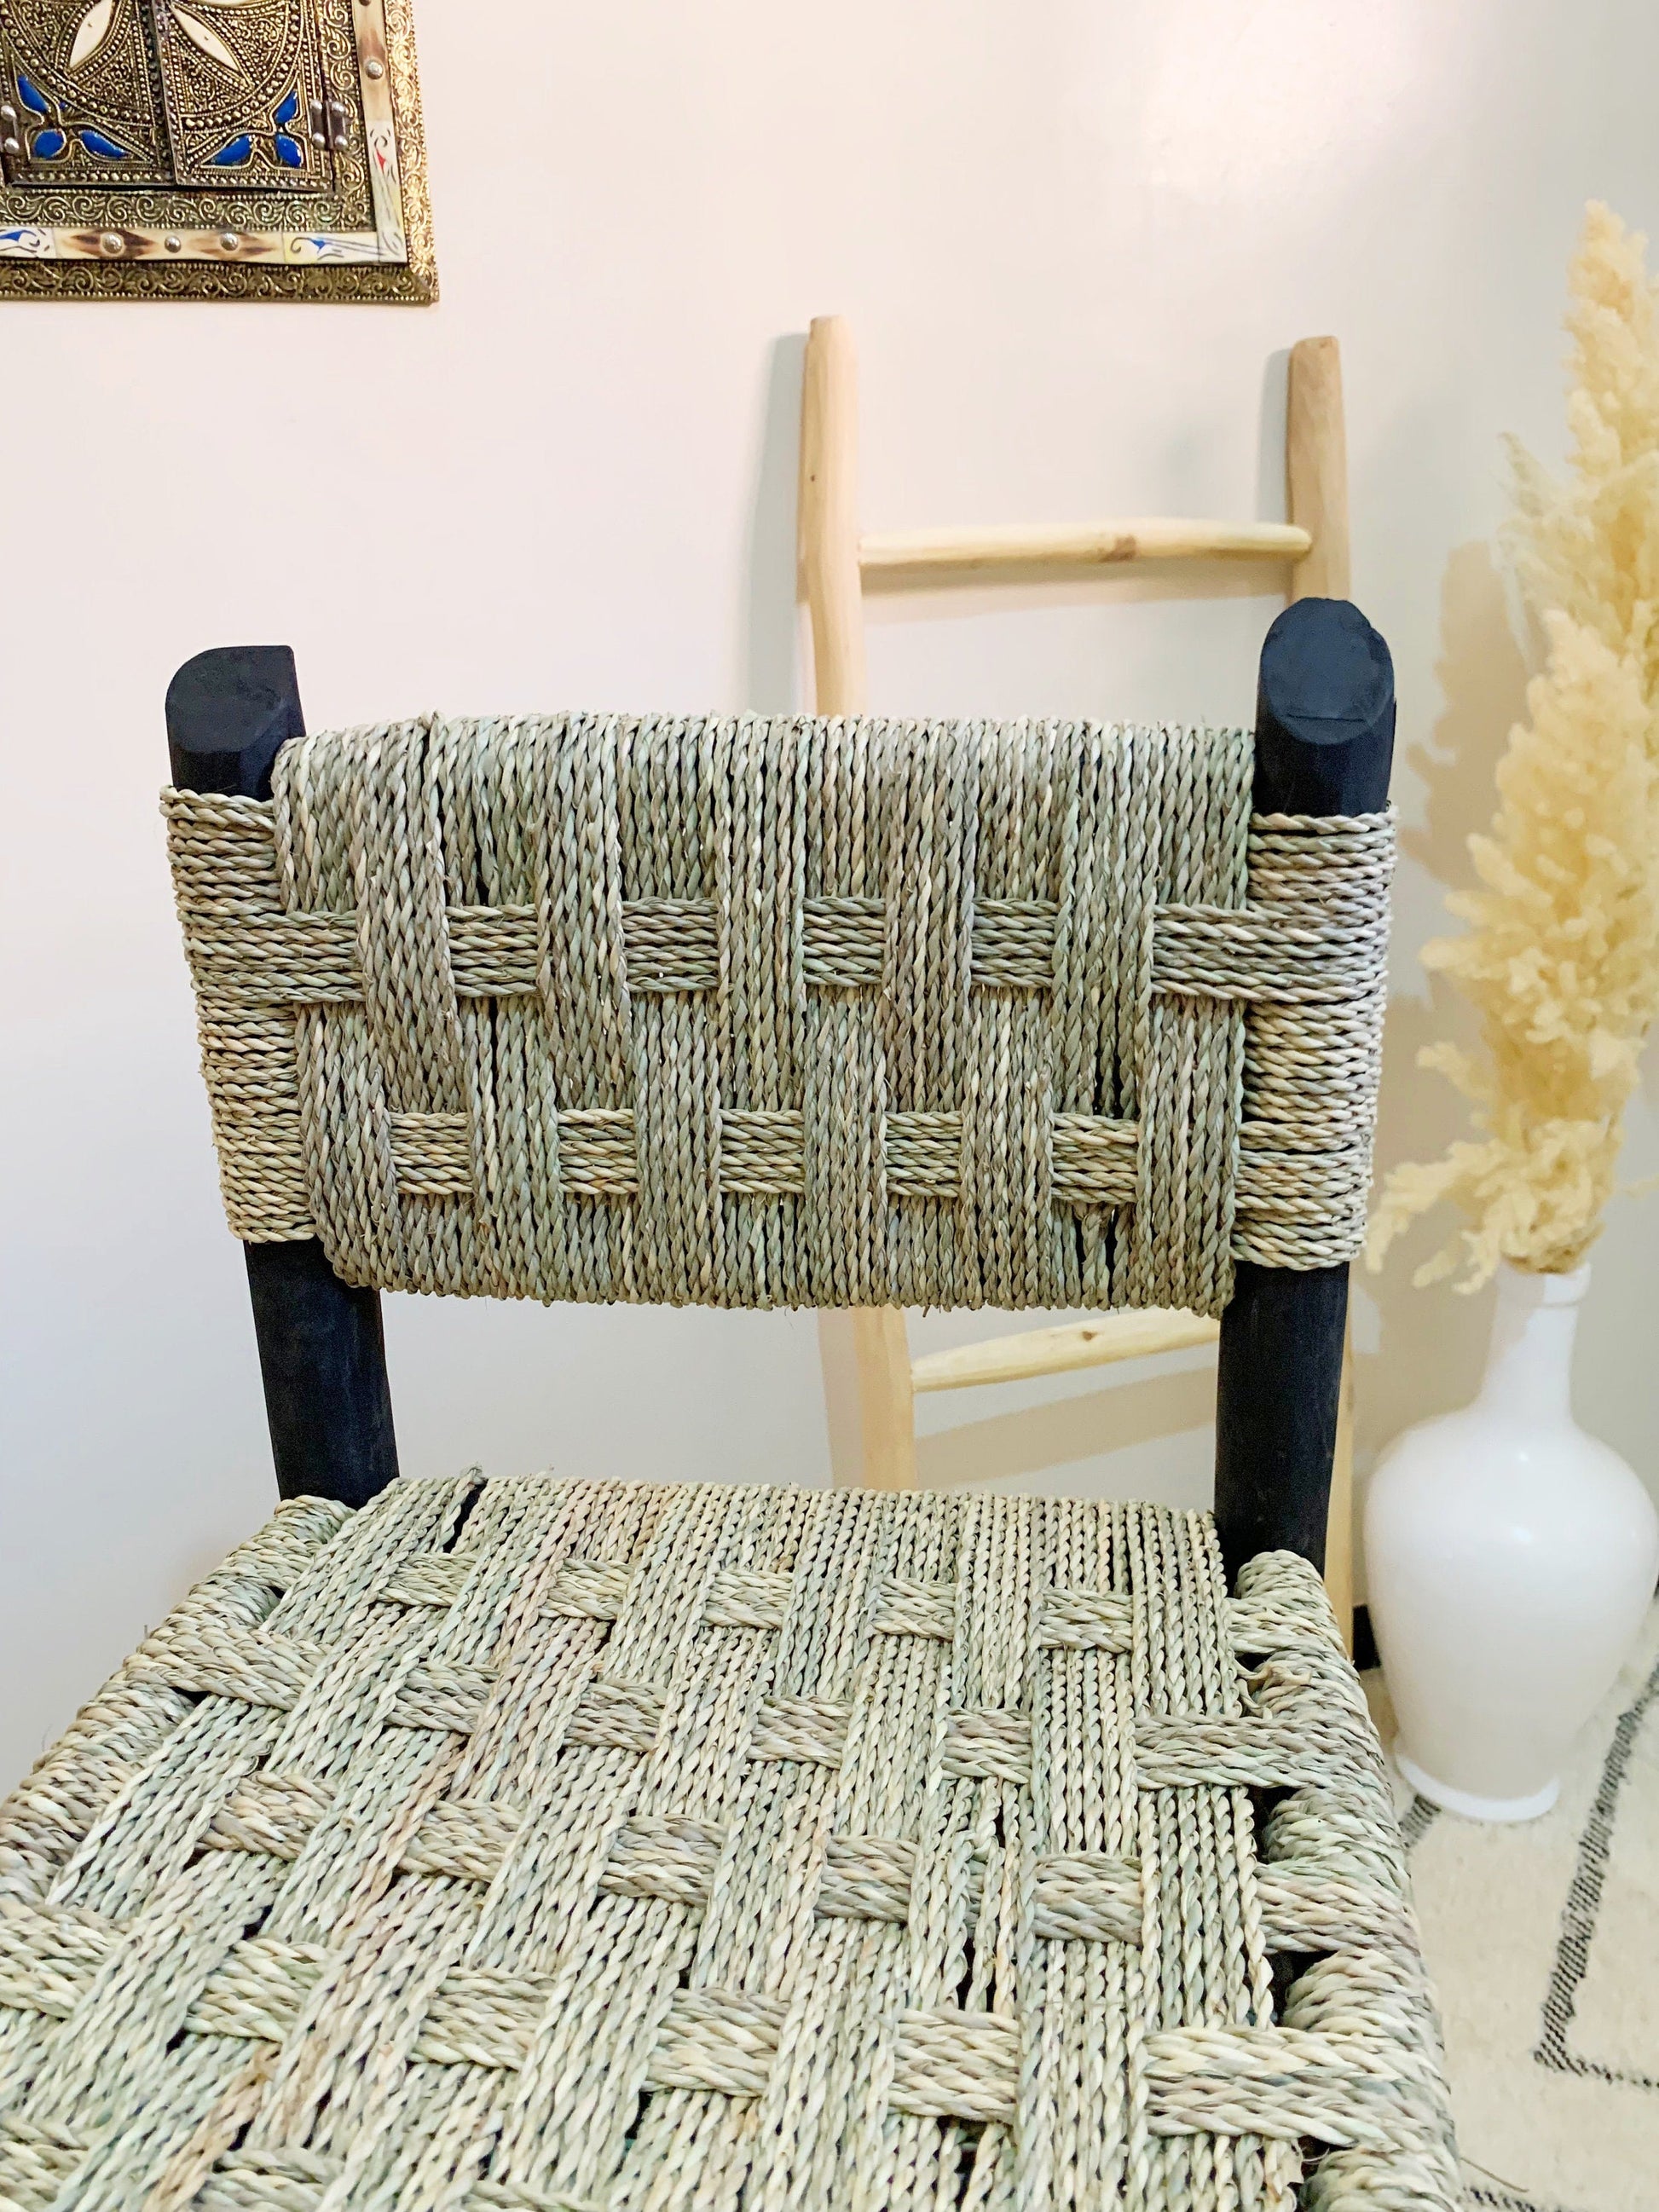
212, 149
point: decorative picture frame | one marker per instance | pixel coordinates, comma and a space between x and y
212, 149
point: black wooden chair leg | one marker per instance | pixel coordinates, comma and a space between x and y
1278, 1380
322, 1354
1324, 745
322, 1349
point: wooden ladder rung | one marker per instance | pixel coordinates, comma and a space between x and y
909, 553
1055, 1350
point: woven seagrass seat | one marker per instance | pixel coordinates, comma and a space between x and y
642, 1845
532, 1844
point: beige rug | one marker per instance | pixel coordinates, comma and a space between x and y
1543, 1941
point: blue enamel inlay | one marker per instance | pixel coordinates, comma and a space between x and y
288, 110
290, 152
105, 149
48, 144
233, 156
30, 97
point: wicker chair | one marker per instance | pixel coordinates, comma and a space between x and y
526, 1844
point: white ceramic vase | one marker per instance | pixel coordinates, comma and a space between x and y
1509, 1558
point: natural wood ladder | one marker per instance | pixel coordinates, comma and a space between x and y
835, 558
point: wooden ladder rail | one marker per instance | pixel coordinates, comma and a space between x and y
835, 560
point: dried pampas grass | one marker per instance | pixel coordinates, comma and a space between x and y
1561, 955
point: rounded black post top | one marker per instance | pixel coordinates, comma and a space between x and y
229, 713
1325, 713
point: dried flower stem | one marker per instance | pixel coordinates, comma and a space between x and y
1561, 955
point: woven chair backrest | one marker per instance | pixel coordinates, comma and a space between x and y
786, 1012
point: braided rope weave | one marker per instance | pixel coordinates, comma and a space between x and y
787, 1013
527, 1845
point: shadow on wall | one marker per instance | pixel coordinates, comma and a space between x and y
769, 652
1420, 1352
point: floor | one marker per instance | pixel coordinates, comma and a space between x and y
1543, 1941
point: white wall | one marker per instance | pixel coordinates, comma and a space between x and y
1074, 238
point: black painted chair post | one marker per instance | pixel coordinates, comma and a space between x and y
322, 1350
1324, 745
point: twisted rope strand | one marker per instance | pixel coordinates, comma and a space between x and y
786, 1012
642, 1848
